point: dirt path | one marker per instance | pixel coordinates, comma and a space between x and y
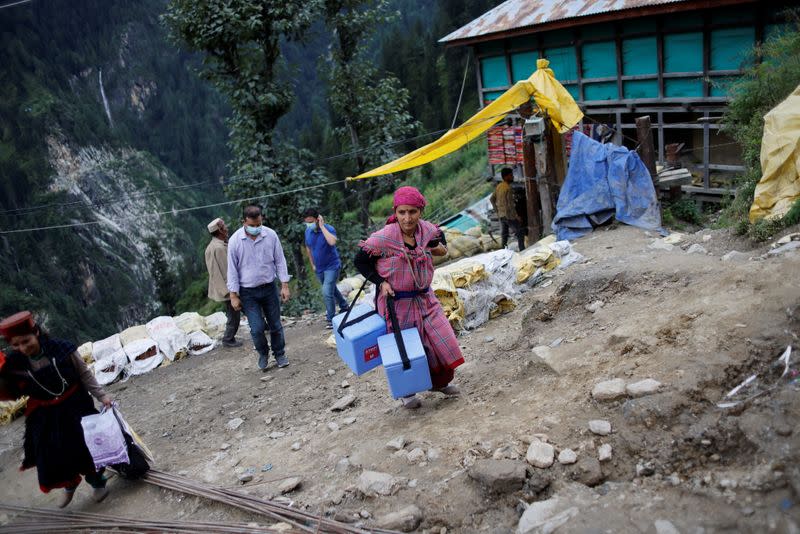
695, 323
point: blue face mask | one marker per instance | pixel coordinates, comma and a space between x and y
311, 225
252, 230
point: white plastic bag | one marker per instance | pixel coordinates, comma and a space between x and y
172, 341
190, 322
104, 439
108, 369
200, 343
106, 347
143, 356
215, 325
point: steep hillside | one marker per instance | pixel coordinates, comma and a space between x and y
104, 122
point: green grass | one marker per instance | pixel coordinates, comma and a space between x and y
450, 184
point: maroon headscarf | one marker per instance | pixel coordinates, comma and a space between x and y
19, 324
407, 196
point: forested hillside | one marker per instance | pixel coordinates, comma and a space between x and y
68, 157
106, 121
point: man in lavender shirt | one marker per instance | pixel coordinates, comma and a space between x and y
255, 266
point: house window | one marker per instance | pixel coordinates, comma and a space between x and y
640, 58
493, 72
563, 61
523, 64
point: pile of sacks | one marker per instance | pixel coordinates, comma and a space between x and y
464, 244
140, 349
475, 289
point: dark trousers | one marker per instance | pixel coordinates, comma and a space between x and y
262, 306
516, 227
232, 326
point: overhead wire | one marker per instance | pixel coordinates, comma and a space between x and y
15, 3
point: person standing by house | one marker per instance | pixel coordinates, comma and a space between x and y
503, 202
217, 265
256, 265
321, 247
57, 382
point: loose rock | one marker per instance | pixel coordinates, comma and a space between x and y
276, 435
604, 452
643, 387
348, 420
600, 427
665, 527
659, 244
595, 306
405, 520
501, 476
609, 390
345, 384
372, 483
245, 477
235, 423
416, 455
540, 454
735, 255
396, 443
296, 446
342, 466
697, 249
587, 471
333, 427
343, 403
290, 484
546, 516
567, 456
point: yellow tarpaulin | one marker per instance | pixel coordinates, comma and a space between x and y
779, 186
548, 93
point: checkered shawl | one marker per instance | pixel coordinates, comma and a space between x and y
400, 267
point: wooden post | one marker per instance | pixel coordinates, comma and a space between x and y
644, 134
531, 192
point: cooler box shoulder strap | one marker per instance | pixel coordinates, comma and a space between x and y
398, 335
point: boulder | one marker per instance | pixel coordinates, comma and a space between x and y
501, 476
567, 456
343, 403
373, 483
587, 471
540, 454
290, 484
546, 516
609, 390
600, 427
697, 249
643, 387
405, 520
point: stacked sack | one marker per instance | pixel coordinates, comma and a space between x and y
465, 244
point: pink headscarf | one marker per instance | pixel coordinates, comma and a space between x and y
407, 196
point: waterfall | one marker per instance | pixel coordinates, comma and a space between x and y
105, 100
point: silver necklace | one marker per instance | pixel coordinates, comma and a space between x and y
63, 382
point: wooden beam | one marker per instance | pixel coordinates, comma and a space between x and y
532, 201
644, 135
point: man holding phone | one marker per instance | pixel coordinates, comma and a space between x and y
321, 247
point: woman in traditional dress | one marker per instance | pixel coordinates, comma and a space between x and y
58, 382
398, 260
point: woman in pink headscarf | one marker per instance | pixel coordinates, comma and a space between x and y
398, 260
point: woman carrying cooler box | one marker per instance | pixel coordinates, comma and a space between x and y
398, 260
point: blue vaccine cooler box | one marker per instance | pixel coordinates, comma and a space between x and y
417, 377
357, 339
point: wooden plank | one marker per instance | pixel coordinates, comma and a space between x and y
644, 135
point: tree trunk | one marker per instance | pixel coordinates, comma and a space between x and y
361, 187
299, 260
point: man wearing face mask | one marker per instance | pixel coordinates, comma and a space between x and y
256, 265
217, 264
321, 248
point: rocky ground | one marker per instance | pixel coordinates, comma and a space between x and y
590, 408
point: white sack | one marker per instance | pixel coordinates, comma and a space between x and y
172, 341
143, 356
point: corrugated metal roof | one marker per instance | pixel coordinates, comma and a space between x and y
514, 14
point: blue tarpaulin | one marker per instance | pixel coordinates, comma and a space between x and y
604, 181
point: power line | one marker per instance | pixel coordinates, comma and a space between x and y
173, 211
15, 4
115, 198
